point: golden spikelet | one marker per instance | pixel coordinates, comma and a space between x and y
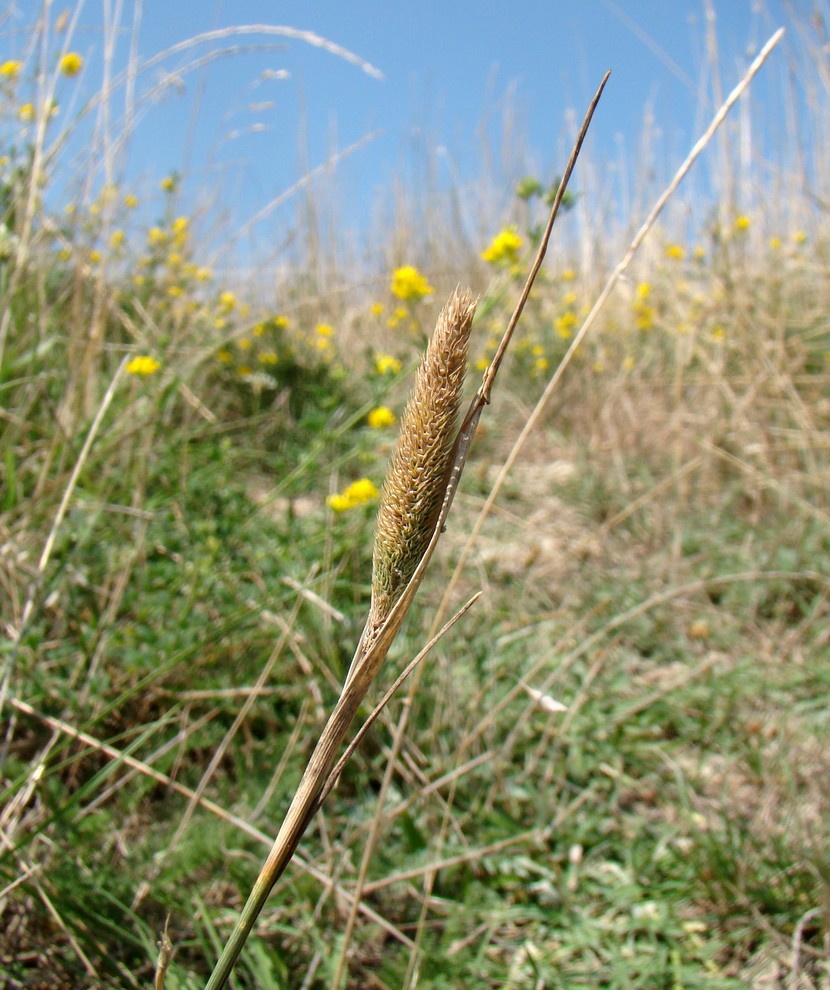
416, 480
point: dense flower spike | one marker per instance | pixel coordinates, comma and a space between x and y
414, 488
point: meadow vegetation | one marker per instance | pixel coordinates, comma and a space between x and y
188, 488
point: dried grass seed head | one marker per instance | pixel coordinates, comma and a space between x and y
416, 479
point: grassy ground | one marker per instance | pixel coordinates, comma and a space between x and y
185, 571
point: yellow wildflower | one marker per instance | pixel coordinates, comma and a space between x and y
409, 284
156, 237
71, 64
139, 280
224, 356
244, 371
116, 239
676, 252
385, 364
168, 183
775, 243
397, 317
565, 324
541, 364
142, 365
324, 330
643, 291
64, 254
742, 222
94, 256
700, 253
267, 357
381, 417
377, 308
243, 344
800, 237
504, 248
220, 322
180, 231
718, 333
358, 493
175, 291
644, 316
568, 275
569, 298
227, 301
131, 201
628, 363
26, 113
203, 274
11, 69
482, 364
281, 322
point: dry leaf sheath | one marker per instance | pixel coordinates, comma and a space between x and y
417, 477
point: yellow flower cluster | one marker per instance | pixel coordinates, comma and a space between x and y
409, 284
504, 248
358, 493
381, 417
385, 364
323, 333
397, 317
10, 69
565, 324
71, 64
643, 310
227, 301
142, 365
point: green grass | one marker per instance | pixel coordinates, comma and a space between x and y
656, 561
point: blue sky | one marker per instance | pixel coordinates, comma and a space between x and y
245, 126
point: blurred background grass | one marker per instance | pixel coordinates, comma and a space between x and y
189, 472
